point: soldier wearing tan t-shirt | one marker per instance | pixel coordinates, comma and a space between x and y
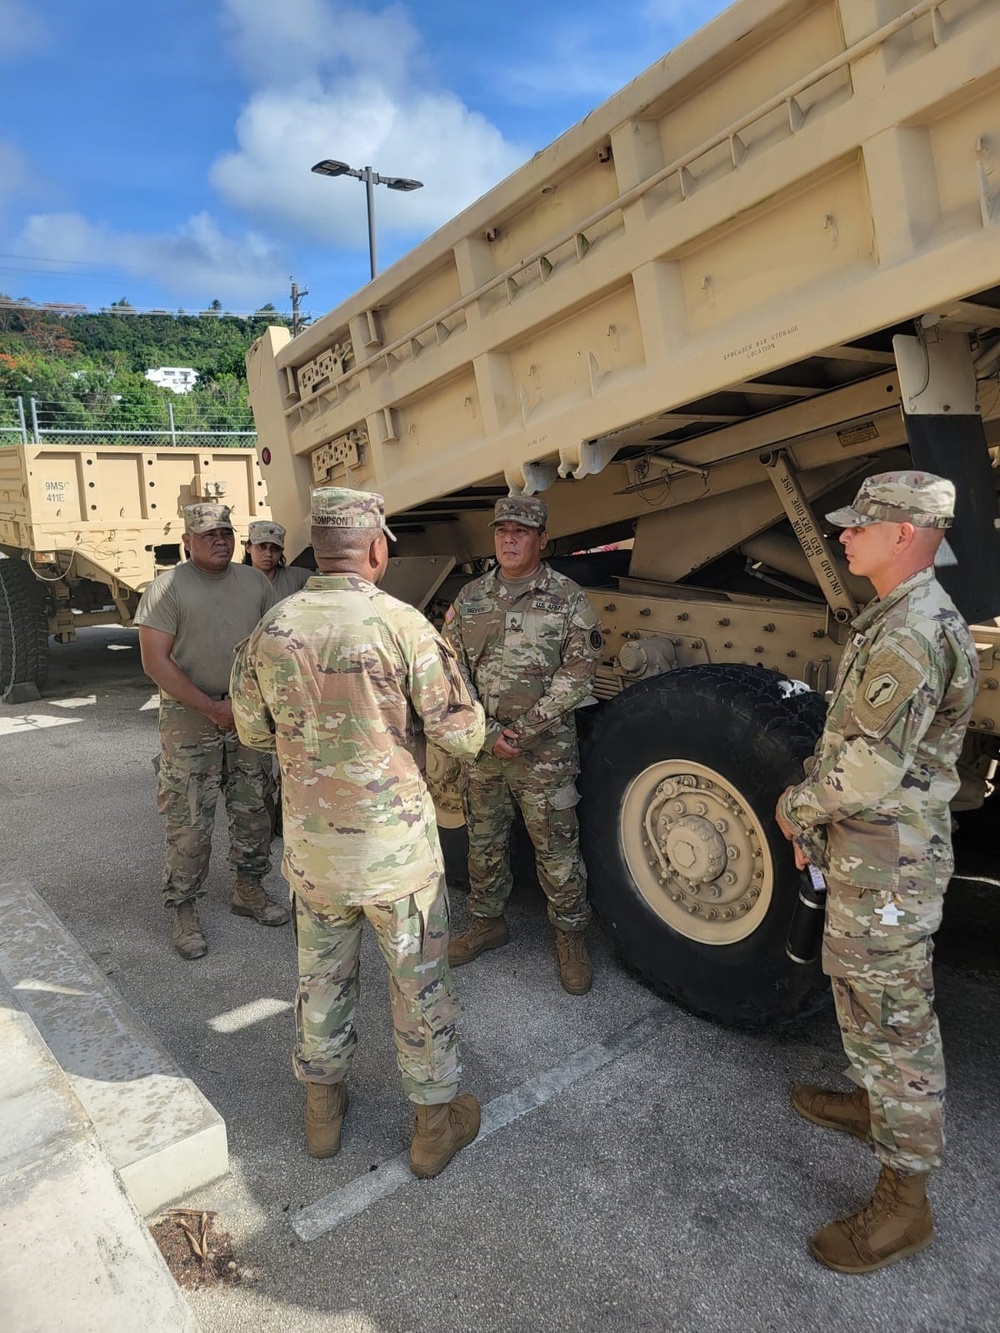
190, 620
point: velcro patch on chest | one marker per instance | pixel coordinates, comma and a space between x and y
890, 681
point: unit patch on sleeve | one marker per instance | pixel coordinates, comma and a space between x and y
881, 692
890, 681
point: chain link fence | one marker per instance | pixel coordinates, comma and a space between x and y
39, 421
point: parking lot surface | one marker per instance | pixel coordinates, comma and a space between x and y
644, 1169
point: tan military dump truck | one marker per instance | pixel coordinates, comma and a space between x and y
84, 529
767, 268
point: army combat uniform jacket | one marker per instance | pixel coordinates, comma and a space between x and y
530, 660
343, 682
884, 769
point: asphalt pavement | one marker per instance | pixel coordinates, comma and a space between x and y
643, 1170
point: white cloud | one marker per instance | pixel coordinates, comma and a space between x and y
335, 81
589, 59
276, 44
20, 30
196, 257
16, 178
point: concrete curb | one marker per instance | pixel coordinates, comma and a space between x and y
161, 1133
75, 1256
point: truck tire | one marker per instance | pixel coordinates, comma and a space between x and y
24, 628
688, 871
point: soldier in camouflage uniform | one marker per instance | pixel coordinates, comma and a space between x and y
346, 684
528, 642
265, 550
873, 813
190, 619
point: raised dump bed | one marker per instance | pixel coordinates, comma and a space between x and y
766, 268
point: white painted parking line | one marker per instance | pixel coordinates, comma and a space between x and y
350, 1200
33, 722
248, 1014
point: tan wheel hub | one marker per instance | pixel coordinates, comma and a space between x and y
697, 851
694, 848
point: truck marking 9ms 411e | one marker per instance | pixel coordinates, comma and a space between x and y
767, 268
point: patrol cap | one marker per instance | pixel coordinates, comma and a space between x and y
919, 498
206, 517
338, 507
265, 531
525, 509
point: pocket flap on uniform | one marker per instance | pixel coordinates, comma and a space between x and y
564, 798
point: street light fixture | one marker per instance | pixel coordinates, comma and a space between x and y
371, 178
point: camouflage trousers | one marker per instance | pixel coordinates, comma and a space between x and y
197, 761
412, 934
883, 989
549, 812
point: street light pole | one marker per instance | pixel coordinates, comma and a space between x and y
329, 167
370, 196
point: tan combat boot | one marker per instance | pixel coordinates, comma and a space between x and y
186, 931
485, 932
440, 1131
326, 1106
847, 1111
895, 1223
575, 972
249, 899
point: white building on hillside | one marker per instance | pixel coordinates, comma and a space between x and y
179, 378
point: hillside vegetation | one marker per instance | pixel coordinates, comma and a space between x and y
86, 372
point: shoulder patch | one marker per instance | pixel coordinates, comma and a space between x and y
890, 681
449, 615
882, 690
596, 639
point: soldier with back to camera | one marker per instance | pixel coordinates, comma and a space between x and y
346, 684
873, 813
528, 643
190, 620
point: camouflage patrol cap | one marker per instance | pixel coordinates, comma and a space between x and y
525, 509
206, 517
919, 498
338, 507
265, 531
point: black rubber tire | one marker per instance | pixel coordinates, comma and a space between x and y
24, 628
736, 721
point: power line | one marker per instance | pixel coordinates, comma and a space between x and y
71, 308
44, 259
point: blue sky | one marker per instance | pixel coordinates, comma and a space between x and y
160, 150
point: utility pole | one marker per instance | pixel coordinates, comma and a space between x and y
297, 295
